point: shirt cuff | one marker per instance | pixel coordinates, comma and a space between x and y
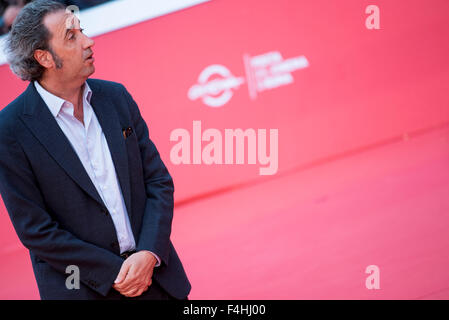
158, 263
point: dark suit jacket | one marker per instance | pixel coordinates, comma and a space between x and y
56, 210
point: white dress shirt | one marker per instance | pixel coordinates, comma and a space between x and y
90, 145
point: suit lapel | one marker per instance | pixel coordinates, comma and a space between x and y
112, 128
41, 122
38, 118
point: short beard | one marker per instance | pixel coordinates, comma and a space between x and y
56, 58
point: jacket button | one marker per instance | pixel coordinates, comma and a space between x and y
104, 211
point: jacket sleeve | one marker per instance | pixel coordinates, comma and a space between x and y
157, 221
42, 235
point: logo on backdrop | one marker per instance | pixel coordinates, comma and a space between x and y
215, 92
216, 84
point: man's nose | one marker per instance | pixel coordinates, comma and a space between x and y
88, 42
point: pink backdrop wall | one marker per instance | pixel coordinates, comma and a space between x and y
361, 86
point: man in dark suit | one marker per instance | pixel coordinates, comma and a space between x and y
83, 184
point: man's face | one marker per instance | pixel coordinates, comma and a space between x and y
71, 49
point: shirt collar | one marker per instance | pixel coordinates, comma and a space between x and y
55, 103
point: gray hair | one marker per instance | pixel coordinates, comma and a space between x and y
28, 34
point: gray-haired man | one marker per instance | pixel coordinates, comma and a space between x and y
81, 180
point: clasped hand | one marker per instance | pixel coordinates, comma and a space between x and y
135, 274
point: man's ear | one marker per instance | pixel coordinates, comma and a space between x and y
44, 58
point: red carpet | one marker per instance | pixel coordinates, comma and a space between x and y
311, 234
